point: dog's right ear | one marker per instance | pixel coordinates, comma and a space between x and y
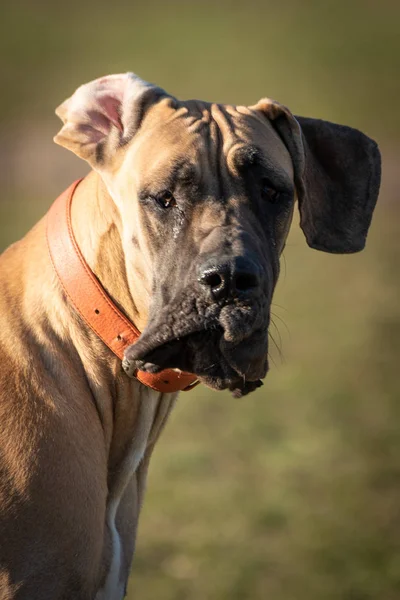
337, 172
104, 114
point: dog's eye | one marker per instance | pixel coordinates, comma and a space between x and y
166, 199
269, 193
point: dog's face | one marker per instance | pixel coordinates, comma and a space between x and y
206, 195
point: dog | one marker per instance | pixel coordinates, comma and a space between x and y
175, 233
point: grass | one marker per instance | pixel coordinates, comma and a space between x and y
292, 493
333, 59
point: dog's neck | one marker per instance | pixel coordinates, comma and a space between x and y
99, 237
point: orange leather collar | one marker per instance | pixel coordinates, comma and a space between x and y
91, 300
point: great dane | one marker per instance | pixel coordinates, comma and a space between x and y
179, 227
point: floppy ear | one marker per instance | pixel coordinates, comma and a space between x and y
104, 114
337, 177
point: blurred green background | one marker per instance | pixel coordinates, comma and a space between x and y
292, 493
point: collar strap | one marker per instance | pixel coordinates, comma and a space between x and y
92, 302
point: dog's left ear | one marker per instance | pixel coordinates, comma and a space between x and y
104, 114
337, 177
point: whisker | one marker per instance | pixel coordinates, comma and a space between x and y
277, 347
282, 321
279, 306
273, 361
275, 344
210, 367
277, 331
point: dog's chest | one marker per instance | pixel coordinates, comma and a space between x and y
127, 482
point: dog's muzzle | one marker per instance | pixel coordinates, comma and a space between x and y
224, 346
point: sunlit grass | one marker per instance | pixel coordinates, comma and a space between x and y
293, 492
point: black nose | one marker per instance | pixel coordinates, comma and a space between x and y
228, 278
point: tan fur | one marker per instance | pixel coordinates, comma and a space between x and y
76, 433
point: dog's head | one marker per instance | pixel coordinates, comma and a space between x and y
206, 195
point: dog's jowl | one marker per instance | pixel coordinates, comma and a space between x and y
175, 233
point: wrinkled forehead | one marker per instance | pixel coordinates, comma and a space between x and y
193, 139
